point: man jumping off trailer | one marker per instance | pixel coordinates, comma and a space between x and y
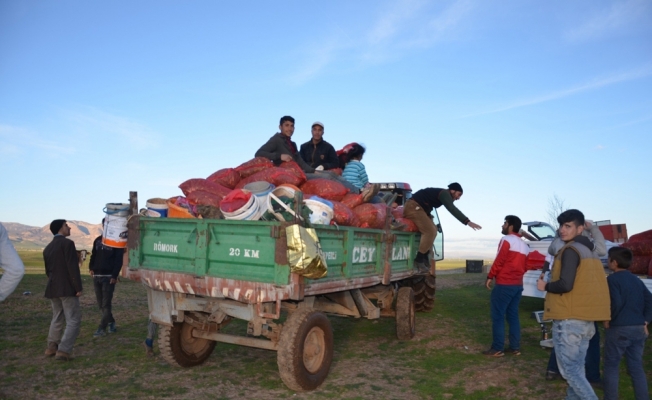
419, 208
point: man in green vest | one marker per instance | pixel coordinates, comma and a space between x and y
577, 295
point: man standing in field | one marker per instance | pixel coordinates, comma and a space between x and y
104, 267
577, 295
11, 264
508, 270
419, 208
63, 289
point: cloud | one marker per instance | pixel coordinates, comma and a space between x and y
411, 24
594, 84
619, 17
15, 140
113, 127
599, 147
400, 27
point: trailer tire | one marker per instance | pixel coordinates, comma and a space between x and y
179, 348
424, 291
405, 320
305, 350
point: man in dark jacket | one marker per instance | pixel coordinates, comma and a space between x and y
419, 208
317, 152
280, 147
63, 289
104, 267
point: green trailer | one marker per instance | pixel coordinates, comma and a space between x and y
202, 274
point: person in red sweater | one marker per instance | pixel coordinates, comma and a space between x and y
508, 270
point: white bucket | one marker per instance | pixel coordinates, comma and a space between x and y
261, 191
157, 208
117, 209
246, 212
115, 225
273, 198
322, 214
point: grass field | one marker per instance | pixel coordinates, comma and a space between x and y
443, 361
33, 260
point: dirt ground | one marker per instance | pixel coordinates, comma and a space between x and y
442, 361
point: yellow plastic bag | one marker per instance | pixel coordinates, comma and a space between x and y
304, 252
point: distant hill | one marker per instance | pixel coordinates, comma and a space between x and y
25, 237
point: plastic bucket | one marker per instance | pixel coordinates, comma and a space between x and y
261, 191
322, 214
115, 225
157, 208
246, 212
117, 209
273, 198
289, 185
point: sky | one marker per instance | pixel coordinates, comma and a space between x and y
518, 101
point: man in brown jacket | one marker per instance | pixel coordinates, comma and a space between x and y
577, 295
63, 289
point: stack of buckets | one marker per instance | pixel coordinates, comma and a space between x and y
115, 225
253, 209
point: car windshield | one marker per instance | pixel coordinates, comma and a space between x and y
542, 231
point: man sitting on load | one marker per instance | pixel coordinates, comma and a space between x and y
280, 147
317, 152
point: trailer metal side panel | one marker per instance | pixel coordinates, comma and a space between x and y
247, 260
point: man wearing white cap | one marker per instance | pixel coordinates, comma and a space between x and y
317, 152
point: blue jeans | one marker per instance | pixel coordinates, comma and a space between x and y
104, 295
591, 363
571, 340
628, 341
65, 310
504, 303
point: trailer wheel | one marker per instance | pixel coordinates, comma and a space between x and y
305, 350
405, 321
424, 291
179, 347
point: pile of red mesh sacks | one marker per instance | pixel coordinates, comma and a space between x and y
348, 209
641, 246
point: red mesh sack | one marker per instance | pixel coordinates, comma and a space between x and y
274, 175
336, 171
640, 265
205, 185
397, 212
352, 200
288, 178
295, 169
203, 198
641, 237
254, 165
371, 214
227, 177
325, 188
410, 226
342, 215
235, 200
639, 248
